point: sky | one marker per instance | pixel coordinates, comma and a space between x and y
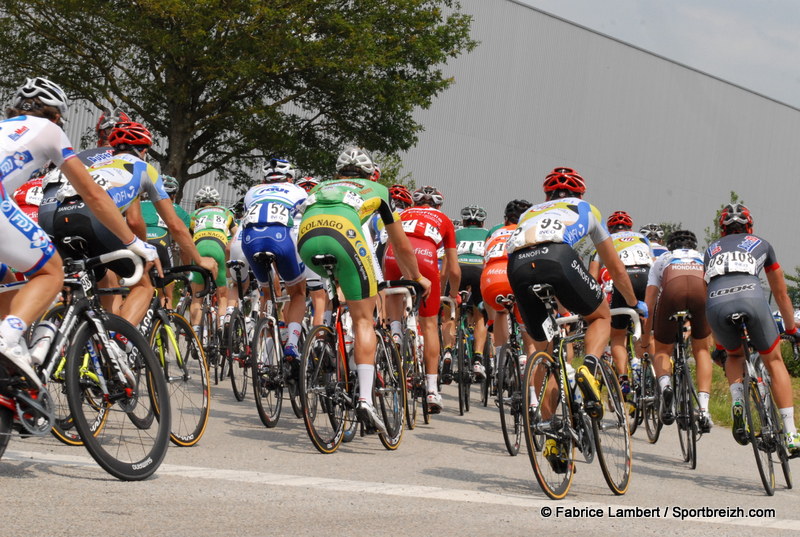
751, 43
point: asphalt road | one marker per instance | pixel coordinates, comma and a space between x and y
452, 477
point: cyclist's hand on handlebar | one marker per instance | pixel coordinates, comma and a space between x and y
794, 333
209, 264
456, 299
426, 284
144, 250
641, 308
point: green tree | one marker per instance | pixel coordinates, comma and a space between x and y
224, 83
713, 231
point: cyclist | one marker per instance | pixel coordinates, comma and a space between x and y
271, 210
494, 278
427, 228
634, 251
655, 234
676, 283
335, 212
126, 176
470, 241
32, 140
733, 264
307, 183
212, 227
401, 197
540, 251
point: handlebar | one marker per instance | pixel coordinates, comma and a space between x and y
452, 303
404, 287
138, 265
208, 278
630, 312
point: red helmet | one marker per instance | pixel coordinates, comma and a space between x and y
401, 194
307, 183
565, 179
735, 213
106, 122
376, 175
620, 218
130, 133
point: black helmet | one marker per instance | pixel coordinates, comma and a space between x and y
514, 210
681, 238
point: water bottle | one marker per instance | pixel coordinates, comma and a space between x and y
523, 359
284, 332
576, 393
636, 367
42, 339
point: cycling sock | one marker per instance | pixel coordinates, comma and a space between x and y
327, 316
663, 381
497, 350
702, 399
11, 329
737, 392
294, 333
431, 381
788, 419
366, 372
397, 328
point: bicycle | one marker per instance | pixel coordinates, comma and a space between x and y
329, 383
509, 382
463, 371
182, 358
211, 336
556, 421
763, 423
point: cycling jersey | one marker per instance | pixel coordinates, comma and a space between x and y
156, 227
658, 249
471, 242
331, 224
28, 198
494, 278
28, 145
632, 248
733, 264
567, 220
212, 222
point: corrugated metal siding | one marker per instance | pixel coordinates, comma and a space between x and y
653, 137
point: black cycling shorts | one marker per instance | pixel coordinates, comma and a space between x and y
740, 294
558, 265
638, 275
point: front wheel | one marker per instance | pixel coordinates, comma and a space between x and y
134, 438
611, 432
267, 373
756, 417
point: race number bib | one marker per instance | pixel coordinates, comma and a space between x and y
727, 262
638, 254
353, 200
497, 250
34, 196
471, 247
547, 228
409, 226
211, 222
433, 233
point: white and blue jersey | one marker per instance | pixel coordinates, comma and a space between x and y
28, 145
565, 220
275, 203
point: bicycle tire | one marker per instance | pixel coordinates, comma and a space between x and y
237, 350
321, 390
409, 366
652, 421
541, 378
486, 382
776, 425
293, 384
685, 420
389, 390
632, 398
464, 375
267, 373
122, 448
6, 420
756, 419
611, 433
185, 368
509, 398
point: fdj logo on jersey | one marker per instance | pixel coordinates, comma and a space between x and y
15, 161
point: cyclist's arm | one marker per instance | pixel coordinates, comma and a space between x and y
135, 219
777, 285
404, 254
182, 236
97, 199
650, 296
622, 282
453, 270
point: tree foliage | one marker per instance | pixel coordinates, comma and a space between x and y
223, 83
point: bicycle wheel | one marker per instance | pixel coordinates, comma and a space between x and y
267, 373
389, 390
756, 417
509, 398
685, 419
486, 382
408, 352
322, 386
292, 381
122, 447
632, 398
652, 422
238, 353
779, 438
464, 374
179, 352
6, 419
547, 423
612, 439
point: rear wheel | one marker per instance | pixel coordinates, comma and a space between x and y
267, 373
238, 354
464, 375
685, 419
652, 422
408, 352
322, 385
389, 392
611, 432
759, 435
6, 420
509, 398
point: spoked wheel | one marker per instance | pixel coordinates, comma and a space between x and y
546, 421
464, 375
184, 364
389, 391
613, 441
779, 439
650, 410
408, 352
322, 390
292, 379
133, 440
686, 420
757, 423
238, 353
267, 373
632, 401
509, 399
487, 384
6, 420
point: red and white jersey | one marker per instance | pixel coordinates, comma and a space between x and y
29, 196
429, 224
27, 146
495, 249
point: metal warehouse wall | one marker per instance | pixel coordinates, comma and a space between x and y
650, 136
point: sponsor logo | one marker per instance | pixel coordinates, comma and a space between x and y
362, 252
496, 271
626, 238
685, 266
322, 222
714, 250
351, 234
533, 253
40, 239
732, 290
749, 243
15, 161
18, 133
144, 464
591, 282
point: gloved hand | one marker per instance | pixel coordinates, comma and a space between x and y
641, 307
144, 250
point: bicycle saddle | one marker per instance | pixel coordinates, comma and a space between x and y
322, 260
267, 258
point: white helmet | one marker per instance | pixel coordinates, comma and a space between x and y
47, 92
207, 194
355, 157
279, 170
